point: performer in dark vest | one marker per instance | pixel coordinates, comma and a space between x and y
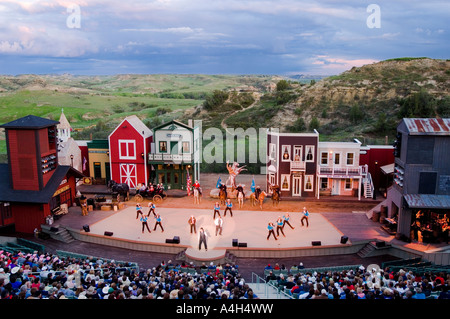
202, 239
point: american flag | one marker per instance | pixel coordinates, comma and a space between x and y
189, 182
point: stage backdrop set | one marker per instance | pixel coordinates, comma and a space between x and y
33, 184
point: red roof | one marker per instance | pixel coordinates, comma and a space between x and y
428, 126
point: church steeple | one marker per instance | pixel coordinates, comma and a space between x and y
64, 128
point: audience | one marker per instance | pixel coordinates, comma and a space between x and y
46, 276
363, 284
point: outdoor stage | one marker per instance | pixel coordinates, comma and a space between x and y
249, 227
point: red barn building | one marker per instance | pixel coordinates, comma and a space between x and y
129, 145
380, 162
33, 185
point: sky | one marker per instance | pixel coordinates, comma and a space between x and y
283, 37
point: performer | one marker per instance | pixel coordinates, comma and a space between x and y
219, 225
197, 185
202, 239
138, 210
229, 206
144, 220
286, 218
305, 217
152, 208
280, 225
216, 209
192, 222
271, 231
158, 222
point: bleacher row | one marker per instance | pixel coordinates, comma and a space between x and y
400, 279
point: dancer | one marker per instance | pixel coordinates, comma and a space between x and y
138, 210
280, 225
192, 222
286, 218
216, 209
202, 239
144, 220
158, 222
271, 231
305, 217
229, 206
152, 208
219, 225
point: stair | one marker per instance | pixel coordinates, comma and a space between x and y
265, 291
370, 248
368, 186
58, 233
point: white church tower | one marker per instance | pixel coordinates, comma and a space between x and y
69, 153
64, 128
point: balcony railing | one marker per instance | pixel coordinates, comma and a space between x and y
170, 158
297, 166
341, 171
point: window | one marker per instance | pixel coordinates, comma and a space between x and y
272, 151
324, 158
186, 147
309, 153
127, 149
297, 153
348, 183
350, 158
324, 183
163, 146
309, 181
285, 182
286, 153
272, 178
337, 158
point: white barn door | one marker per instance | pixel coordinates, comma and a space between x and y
128, 174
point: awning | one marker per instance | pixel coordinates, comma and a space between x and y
428, 201
272, 169
387, 169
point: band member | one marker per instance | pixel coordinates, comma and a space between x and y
152, 208
219, 224
229, 207
280, 225
158, 222
271, 231
216, 209
144, 220
305, 216
202, 239
286, 218
192, 222
138, 210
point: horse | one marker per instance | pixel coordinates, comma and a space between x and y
122, 189
240, 199
260, 199
223, 193
196, 196
275, 194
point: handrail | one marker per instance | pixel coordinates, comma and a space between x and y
268, 285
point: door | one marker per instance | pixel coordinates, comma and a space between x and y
128, 174
296, 186
335, 187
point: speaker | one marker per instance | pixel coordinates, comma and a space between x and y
380, 243
86, 228
242, 244
169, 241
176, 239
316, 243
344, 239
54, 229
235, 242
108, 233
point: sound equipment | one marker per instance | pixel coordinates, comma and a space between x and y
169, 241
235, 242
54, 229
108, 233
316, 243
176, 239
242, 245
86, 228
380, 243
344, 239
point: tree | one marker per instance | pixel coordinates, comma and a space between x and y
282, 85
314, 124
